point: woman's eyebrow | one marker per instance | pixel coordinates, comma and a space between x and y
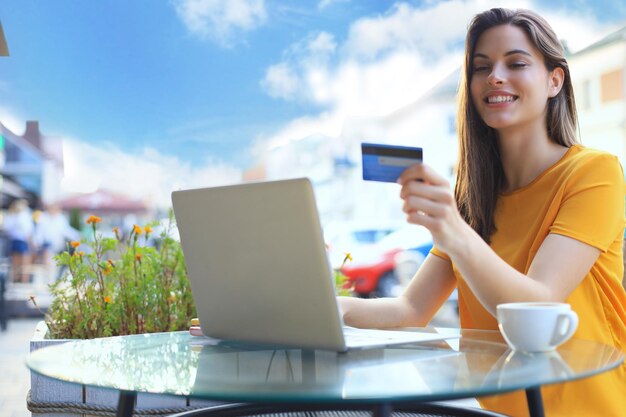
518, 51
511, 52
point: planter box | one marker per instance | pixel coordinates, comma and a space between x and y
79, 400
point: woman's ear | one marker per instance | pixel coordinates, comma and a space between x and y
556, 79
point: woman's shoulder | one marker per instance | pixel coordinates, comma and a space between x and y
584, 153
582, 157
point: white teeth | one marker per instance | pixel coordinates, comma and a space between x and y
500, 99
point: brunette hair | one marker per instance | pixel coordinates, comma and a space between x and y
479, 171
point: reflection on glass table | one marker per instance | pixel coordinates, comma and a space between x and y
476, 364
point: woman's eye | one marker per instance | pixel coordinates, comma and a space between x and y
480, 68
518, 65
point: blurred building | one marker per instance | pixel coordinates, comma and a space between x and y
31, 166
599, 77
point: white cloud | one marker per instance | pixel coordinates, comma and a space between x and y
148, 175
430, 31
281, 81
322, 44
304, 61
219, 20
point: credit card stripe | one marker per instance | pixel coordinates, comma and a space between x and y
397, 162
397, 151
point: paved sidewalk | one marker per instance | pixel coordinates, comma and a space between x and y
14, 375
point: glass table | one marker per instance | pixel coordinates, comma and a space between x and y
471, 363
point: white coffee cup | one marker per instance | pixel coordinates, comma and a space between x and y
536, 326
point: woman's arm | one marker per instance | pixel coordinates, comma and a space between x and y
558, 267
426, 292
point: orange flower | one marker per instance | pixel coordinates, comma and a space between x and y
147, 229
75, 244
138, 257
81, 253
107, 299
137, 229
93, 219
116, 230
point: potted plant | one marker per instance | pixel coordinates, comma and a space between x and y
113, 285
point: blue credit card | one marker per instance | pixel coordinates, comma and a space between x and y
386, 162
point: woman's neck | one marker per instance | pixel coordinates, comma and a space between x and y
526, 154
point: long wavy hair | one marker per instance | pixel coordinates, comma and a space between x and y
480, 176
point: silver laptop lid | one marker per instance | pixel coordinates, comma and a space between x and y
257, 264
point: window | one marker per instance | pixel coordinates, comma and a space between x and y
612, 86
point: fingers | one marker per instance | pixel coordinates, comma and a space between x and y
422, 172
426, 191
423, 206
421, 219
427, 197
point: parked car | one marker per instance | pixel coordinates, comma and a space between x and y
372, 271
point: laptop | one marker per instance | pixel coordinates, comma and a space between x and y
259, 272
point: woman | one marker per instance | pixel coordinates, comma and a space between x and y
534, 217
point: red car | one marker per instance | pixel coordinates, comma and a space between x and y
374, 278
371, 273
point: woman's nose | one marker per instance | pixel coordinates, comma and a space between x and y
496, 76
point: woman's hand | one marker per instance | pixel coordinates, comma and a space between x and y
429, 202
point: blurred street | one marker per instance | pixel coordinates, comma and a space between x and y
15, 381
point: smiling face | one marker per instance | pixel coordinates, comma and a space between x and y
510, 84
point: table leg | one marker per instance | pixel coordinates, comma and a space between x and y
126, 404
382, 410
535, 403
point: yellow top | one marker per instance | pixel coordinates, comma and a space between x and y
582, 197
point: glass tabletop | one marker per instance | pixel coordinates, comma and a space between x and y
474, 364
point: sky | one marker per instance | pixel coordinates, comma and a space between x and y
156, 95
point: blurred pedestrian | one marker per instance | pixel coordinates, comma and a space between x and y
52, 232
19, 227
